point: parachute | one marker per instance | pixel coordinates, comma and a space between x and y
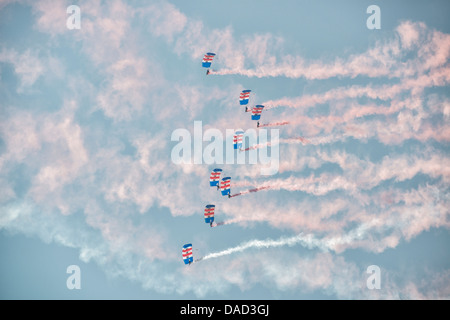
209, 214
225, 186
207, 59
187, 254
215, 177
237, 139
256, 112
244, 97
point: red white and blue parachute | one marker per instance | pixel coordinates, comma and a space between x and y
209, 213
187, 254
225, 186
244, 97
256, 112
207, 59
214, 178
237, 139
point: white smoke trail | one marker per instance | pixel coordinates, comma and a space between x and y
383, 59
437, 77
274, 124
306, 240
313, 141
250, 191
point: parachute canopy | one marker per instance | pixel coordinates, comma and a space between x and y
215, 177
209, 213
243, 98
237, 139
225, 186
187, 254
207, 59
256, 112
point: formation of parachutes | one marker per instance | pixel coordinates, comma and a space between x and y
223, 184
244, 95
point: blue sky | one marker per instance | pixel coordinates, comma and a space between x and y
87, 178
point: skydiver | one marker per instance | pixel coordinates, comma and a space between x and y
229, 196
246, 109
207, 72
257, 124
218, 187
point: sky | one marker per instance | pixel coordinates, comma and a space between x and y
93, 118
